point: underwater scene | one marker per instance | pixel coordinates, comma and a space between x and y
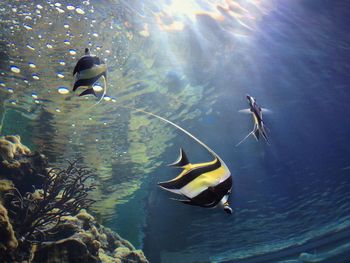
175, 131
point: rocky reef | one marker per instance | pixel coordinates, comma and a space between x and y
43, 216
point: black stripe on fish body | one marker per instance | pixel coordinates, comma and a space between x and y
87, 82
86, 62
212, 195
190, 176
181, 161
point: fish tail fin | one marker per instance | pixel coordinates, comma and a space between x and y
267, 128
263, 133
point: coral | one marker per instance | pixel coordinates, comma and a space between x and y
8, 241
85, 216
6, 185
11, 146
94, 242
126, 255
63, 193
27, 172
43, 215
65, 250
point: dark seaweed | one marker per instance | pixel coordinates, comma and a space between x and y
37, 215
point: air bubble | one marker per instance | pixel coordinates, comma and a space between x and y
15, 69
63, 90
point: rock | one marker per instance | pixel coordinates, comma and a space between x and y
94, 242
126, 255
8, 241
66, 250
84, 216
18, 164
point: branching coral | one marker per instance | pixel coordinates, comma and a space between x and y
37, 215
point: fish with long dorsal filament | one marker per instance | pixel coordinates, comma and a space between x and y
259, 125
206, 184
88, 70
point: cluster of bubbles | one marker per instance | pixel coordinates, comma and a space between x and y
33, 50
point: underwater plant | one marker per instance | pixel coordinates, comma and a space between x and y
37, 215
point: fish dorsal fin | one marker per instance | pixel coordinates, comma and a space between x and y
181, 161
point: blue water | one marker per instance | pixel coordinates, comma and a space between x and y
294, 191
290, 198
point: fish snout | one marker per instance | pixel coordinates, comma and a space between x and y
228, 209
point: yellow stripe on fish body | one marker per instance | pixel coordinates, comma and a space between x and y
255, 119
197, 178
204, 181
190, 167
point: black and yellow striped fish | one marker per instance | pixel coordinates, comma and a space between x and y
204, 184
88, 70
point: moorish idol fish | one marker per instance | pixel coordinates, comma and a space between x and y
206, 184
259, 126
88, 70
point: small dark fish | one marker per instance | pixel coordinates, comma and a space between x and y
259, 126
88, 70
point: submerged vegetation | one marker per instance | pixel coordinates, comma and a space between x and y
39, 214
47, 220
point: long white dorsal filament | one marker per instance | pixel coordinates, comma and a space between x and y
178, 127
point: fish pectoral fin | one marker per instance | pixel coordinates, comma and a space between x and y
181, 161
246, 111
88, 92
264, 110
